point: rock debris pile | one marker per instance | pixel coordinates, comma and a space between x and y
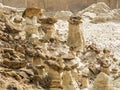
100, 12
33, 57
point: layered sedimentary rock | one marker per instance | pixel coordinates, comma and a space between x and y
45, 62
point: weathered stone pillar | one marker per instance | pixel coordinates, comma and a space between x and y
31, 16
53, 70
39, 57
48, 24
31, 31
33, 13
67, 81
75, 39
70, 74
32, 34
85, 79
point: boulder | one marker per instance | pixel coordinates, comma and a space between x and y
102, 82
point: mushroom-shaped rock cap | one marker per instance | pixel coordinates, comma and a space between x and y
68, 57
49, 20
75, 20
71, 65
38, 47
40, 66
53, 64
105, 50
30, 12
18, 20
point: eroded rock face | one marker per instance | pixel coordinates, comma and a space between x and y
14, 64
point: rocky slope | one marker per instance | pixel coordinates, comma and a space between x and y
38, 55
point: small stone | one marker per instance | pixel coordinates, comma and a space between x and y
94, 48
114, 70
115, 59
17, 20
93, 69
40, 66
106, 52
17, 37
104, 66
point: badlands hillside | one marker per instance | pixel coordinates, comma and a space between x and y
63, 50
